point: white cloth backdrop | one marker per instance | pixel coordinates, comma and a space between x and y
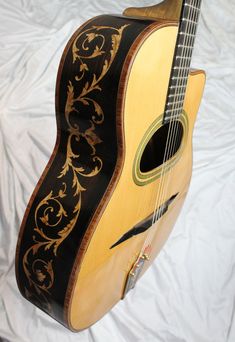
189, 293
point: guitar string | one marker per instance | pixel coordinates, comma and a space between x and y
190, 32
174, 124
158, 199
172, 121
185, 67
185, 64
159, 213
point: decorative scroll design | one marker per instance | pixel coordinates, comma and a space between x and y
57, 214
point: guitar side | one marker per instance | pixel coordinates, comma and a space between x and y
112, 86
82, 164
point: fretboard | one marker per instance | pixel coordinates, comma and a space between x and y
182, 59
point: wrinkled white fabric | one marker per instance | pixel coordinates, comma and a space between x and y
188, 295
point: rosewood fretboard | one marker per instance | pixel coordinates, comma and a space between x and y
182, 59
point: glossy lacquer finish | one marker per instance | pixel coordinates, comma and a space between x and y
88, 196
82, 164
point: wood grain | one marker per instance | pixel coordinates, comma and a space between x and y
94, 275
102, 275
168, 9
53, 300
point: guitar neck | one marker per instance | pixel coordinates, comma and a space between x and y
182, 59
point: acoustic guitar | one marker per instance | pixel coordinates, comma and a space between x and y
126, 103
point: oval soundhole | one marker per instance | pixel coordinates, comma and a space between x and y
162, 147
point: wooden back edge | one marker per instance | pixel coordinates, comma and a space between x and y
168, 9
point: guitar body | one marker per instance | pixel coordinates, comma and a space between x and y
73, 255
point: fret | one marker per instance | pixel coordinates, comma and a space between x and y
172, 117
176, 95
190, 21
175, 102
177, 86
179, 78
177, 110
176, 107
192, 6
187, 34
182, 60
174, 110
183, 57
181, 68
185, 46
180, 73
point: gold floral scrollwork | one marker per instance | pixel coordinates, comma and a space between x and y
57, 213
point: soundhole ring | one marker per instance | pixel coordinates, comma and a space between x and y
143, 178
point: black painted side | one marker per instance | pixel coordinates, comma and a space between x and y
43, 267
